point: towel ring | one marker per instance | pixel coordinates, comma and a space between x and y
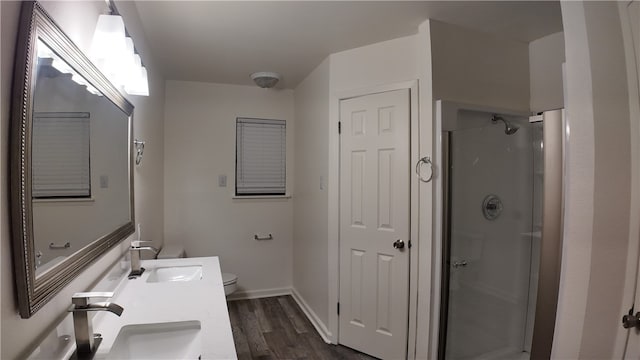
139, 145
424, 160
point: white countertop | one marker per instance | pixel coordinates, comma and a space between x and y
151, 303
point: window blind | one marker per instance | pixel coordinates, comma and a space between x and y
60, 155
260, 156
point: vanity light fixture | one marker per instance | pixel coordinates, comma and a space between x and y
113, 52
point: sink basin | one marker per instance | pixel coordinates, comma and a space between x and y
172, 340
176, 273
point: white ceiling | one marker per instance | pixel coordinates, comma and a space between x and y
225, 41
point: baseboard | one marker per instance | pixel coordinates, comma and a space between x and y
322, 330
257, 294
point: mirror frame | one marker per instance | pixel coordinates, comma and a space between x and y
34, 292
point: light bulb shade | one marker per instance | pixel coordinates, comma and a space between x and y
265, 79
128, 55
126, 63
137, 62
109, 37
83, 82
138, 85
62, 66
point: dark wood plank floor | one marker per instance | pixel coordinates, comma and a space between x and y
276, 328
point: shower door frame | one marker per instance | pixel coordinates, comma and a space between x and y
548, 283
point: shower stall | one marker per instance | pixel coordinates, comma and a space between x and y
494, 178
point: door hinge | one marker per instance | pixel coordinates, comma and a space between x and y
631, 321
409, 244
339, 127
338, 308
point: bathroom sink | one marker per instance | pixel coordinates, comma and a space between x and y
172, 340
175, 273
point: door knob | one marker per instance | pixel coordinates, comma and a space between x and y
631, 321
398, 244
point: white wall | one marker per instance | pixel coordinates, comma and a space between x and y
478, 68
78, 20
426, 232
597, 202
200, 128
378, 64
148, 125
546, 56
310, 245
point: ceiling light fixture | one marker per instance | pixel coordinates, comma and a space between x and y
265, 79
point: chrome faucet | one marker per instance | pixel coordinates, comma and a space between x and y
135, 250
86, 341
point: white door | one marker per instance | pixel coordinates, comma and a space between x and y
374, 215
633, 342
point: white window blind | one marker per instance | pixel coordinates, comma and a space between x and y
60, 155
260, 156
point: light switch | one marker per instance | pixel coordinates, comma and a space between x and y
222, 180
321, 182
104, 181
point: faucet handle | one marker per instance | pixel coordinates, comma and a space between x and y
138, 243
82, 298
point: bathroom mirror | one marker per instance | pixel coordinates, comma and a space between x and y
71, 168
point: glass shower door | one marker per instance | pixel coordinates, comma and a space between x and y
491, 231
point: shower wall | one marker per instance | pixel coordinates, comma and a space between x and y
489, 296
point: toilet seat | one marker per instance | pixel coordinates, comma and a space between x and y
230, 283
228, 278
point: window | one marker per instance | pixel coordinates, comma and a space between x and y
60, 155
260, 157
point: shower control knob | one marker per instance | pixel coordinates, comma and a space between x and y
631, 321
398, 244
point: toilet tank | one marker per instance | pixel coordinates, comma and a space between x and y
171, 251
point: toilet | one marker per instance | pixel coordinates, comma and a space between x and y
230, 282
173, 251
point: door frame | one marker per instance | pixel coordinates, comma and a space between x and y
623, 346
334, 205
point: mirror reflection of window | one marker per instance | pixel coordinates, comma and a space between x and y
60, 157
61, 129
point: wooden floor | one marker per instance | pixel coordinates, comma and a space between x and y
276, 328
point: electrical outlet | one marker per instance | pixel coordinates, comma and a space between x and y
222, 180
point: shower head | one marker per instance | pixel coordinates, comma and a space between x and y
509, 128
